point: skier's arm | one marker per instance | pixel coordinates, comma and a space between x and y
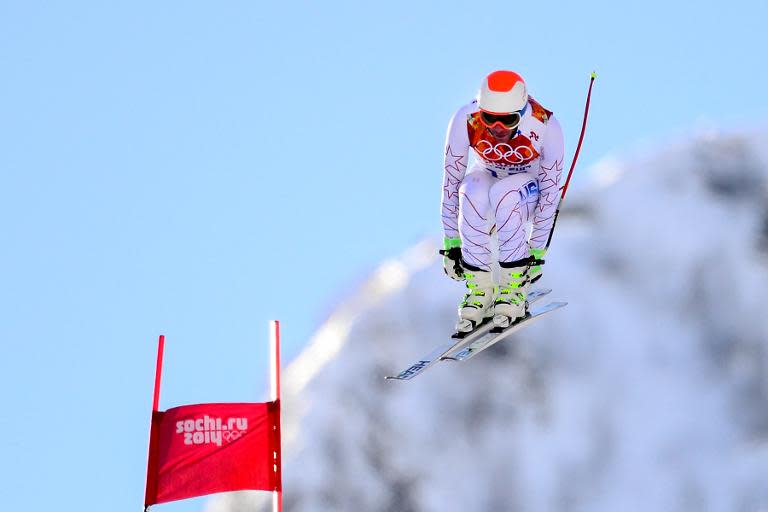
550, 171
454, 168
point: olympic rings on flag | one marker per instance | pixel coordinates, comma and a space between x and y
232, 435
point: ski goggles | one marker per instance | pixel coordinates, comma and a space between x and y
508, 121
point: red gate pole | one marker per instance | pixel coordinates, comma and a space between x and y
274, 342
152, 430
158, 373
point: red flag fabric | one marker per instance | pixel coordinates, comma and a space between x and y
208, 448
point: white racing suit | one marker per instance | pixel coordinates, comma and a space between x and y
509, 186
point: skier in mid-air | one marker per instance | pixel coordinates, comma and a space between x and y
512, 187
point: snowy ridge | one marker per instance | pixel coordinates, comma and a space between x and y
649, 392
388, 279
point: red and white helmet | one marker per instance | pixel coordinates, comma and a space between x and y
502, 92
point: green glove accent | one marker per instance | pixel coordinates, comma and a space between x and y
452, 258
535, 271
450, 243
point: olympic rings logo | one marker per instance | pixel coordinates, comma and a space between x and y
503, 152
232, 435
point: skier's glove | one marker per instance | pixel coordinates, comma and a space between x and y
537, 256
452, 258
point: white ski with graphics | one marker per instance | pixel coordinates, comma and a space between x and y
456, 344
493, 336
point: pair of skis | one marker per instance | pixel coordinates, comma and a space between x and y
486, 335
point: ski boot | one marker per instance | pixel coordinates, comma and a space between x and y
476, 306
512, 296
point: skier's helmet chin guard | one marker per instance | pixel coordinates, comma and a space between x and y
502, 92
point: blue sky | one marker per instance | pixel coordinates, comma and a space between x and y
199, 168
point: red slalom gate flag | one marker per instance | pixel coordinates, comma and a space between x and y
208, 448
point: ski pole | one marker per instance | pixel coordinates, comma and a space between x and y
575, 157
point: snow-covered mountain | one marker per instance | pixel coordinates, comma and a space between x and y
649, 392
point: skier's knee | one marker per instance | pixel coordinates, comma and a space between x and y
475, 189
473, 185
